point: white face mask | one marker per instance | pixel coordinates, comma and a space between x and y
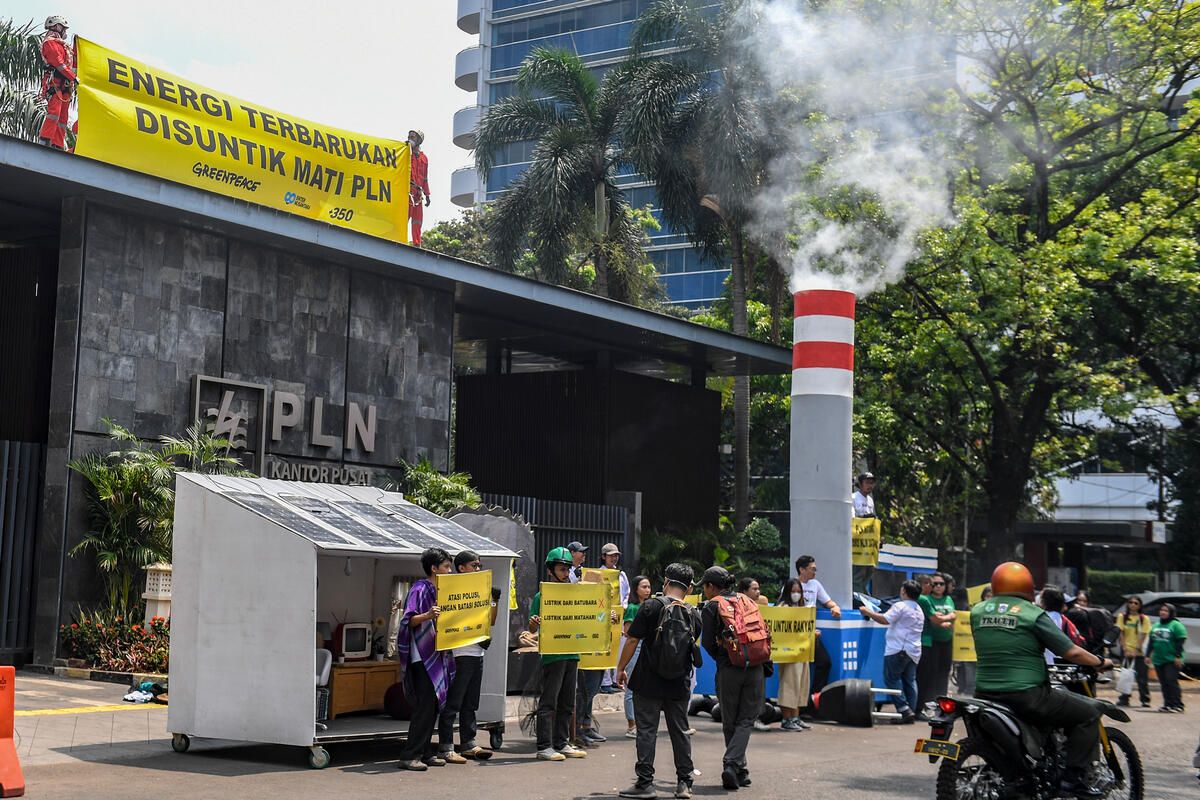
797, 597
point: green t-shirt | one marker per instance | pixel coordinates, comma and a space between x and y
1166, 642
631, 612
940, 605
1011, 637
535, 608
927, 610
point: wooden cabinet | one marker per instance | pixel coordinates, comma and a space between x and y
360, 686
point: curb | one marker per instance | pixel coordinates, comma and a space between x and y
131, 679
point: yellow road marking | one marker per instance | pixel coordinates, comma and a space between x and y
48, 712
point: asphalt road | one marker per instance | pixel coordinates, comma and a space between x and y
830, 762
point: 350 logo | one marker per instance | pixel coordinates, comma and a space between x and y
293, 199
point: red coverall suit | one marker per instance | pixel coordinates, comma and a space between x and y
58, 82
418, 190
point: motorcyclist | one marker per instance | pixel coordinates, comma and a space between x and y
1011, 634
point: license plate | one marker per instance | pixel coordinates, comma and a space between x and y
935, 747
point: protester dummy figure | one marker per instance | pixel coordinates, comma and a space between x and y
741, 690
793, 678
1166, 656
1135, 628
463, 698
610, 557
902, 651
639, 592
58, 82
559, 673
418, 184
425, 671
937, 639
814, 594
667, 630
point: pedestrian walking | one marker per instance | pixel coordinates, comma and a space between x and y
793, 678
732, 625
1135, 631
462, 701
937, 641
666, 629
639, 593
1167, 637
902, 649
556, 703
425, 671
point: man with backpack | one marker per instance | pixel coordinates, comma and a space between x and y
737, 638
668, 629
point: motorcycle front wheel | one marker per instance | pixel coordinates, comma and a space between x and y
1122, 769
975, 775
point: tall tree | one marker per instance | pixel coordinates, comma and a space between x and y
569, 196
21, 113
700, 125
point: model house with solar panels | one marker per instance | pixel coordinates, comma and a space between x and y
278, 590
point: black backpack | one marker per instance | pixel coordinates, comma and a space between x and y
674, 652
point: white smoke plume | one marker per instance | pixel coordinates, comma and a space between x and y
861, 174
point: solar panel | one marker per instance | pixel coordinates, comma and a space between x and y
456, 533
286, 517
346, 523
398, 527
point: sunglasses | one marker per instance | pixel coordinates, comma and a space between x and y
937, 583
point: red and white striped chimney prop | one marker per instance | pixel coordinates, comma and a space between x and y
822, 420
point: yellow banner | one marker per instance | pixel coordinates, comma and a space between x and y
975, 593
793, 632
865, 537
964, 640
146, 119
512, 586
466, 602
693, 599
574, 618
607, 658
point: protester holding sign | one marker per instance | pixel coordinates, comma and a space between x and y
667, 630
902, 649
814, 595
610, 556
793, 677
425, 671
463, 698
559, 674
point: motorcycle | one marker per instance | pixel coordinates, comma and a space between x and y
1004, 758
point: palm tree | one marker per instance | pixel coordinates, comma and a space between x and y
568, 200
21, 113
703, 134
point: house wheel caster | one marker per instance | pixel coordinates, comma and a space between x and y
180, 742
318, 758
497, 738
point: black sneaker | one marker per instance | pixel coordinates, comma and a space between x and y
729, 779
1075, 786
907, 718
683, 790
640, 791
744, 779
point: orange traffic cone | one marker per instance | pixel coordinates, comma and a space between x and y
12, 781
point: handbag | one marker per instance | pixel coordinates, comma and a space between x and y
1126, 681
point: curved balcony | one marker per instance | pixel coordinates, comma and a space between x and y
463, 184
467, 65
468, 15
466, 122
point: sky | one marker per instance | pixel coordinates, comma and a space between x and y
370, 66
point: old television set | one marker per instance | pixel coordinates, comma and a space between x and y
352, 641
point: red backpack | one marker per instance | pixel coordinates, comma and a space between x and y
744, 632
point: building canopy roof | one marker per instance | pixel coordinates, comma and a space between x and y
536, 325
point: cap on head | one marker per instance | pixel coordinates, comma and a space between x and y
610, 549
1012, 577
559, 555
418, 135
54, 20
866, 476
577, 547
718, 577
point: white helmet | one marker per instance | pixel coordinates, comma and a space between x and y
54, 20
420, 136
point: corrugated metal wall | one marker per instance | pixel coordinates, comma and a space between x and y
21, 465
556, 523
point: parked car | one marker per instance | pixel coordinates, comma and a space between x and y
1187, 611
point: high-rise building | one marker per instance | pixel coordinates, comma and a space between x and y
599, 32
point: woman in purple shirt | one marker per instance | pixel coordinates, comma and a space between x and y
425, 671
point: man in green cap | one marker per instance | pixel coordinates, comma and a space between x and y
559, 673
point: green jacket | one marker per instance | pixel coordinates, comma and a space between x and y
1166, 642
1011, 637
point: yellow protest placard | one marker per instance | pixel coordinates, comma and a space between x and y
607, 658
466, 602
149, 120
964, 640
864, 542
693, 599
575, 618
975, 593
610, 576
512, 586
793, 632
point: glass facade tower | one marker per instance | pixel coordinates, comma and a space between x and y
599, 32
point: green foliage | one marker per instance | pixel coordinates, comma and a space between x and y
463, 238
1109, 587
424, 486
21, 113
118, 641
131, 502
